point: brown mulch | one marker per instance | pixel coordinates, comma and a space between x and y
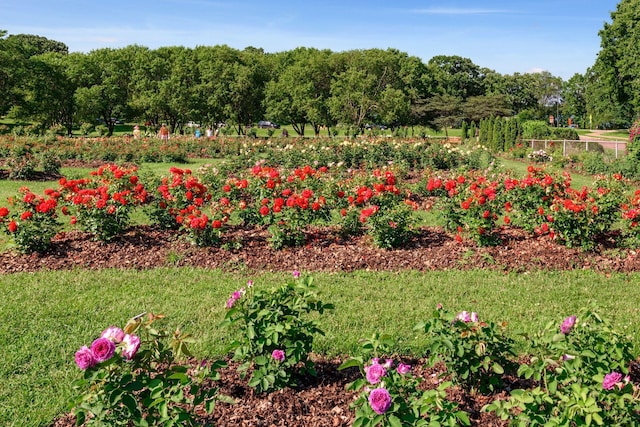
320, 401
245, 248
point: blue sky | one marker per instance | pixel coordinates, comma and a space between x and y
559, 36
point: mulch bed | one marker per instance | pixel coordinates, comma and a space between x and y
247, 248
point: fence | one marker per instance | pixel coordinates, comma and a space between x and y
571, 147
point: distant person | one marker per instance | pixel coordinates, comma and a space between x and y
285, 133
197, 133
209, 133
164, 133
136, 132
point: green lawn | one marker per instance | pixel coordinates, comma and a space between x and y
45, 317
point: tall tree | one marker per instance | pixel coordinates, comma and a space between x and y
455, 76
613, 91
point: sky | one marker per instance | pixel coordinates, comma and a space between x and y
559, 36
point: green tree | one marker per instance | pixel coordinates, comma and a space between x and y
574, 98
481, 107
445, 110
613, 88
102, 91
299, 93
455, 76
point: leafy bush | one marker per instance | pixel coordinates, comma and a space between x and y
476, 353
102, 204
535, 129
131, 375
277, 335
391, 396
31, 220
579, 371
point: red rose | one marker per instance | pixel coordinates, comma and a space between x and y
12, 226
26, 215
216, 223
4, 212
264, 210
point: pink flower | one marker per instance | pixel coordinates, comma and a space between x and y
278, 355
610, 380
131, 346
568, 324
114, 334
102, 349
375, 372
403, 369
380, 400
296, 274
84, 358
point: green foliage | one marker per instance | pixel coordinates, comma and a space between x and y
102, 204
277, 334
571, 367
391, 227
31, 220
406, 404
470, 205
534, 129
477, 353
145, 384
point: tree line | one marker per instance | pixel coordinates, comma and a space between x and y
42, 82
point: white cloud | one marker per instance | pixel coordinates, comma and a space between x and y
459, 11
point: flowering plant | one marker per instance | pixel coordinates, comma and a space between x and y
527, 200
580, 370
277, 335
540, 156
631, 220
103, 202
32, 220
472, 206
390, 395
578, 218
131, 375
476, 353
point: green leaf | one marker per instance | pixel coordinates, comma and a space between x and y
349, 363
498, 369
394, 421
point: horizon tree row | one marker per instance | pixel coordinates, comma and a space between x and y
43, 83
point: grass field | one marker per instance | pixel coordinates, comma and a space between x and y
45, 317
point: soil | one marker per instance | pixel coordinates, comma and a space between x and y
247, 248
323, 400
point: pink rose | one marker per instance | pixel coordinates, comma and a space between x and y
103, 349
114, 334
375, 372
610, 380
84, 358
278, 355
403, 369
380, 400
131, 346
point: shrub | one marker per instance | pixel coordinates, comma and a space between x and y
277, 335
476, 353
579, 370
102, 204
131, 375
390, 395
31, 220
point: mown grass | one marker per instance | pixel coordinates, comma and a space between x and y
45, 317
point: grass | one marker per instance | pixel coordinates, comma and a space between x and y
45, 317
